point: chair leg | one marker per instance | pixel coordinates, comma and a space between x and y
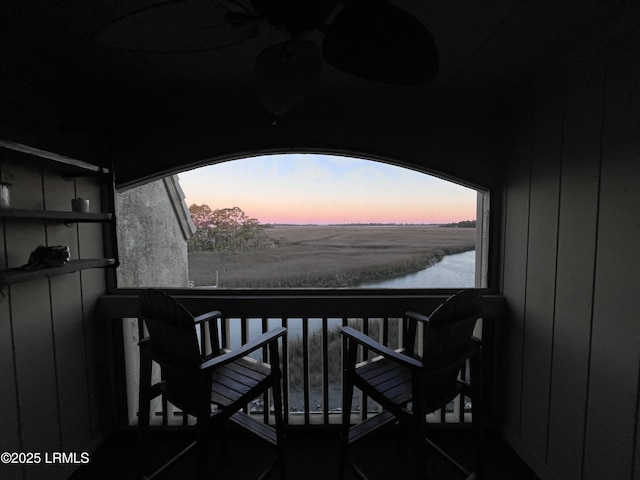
144, 407
347, 393
347, 399
278, 407
419, 436
477, 416
202, 450
280, 437
479, 446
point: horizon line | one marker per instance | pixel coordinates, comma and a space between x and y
436, 224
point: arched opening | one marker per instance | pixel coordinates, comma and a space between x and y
306, 222
303, 221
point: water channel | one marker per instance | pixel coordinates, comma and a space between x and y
452, 271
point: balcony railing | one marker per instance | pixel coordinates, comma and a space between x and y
311, 353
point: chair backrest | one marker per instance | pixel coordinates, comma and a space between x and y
450, 328
173, 344
447, 344
172, 332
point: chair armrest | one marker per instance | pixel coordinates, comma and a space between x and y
417, 316
261, 341
379, 348
207, 316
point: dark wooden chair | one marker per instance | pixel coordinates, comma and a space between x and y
409, 386
214, 387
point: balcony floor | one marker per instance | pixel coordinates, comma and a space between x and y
311, 455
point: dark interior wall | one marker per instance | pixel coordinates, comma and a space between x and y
454, 141
570, 268
54, 394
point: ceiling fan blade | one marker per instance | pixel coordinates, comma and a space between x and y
382, 43
177, 26
286, 73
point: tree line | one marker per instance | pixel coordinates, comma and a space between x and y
462, 224
226, 229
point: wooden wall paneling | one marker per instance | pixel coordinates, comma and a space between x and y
32, 332
90, 245
71, 361
58, 190
24, 236
636, 459
615, 352
3, 263
36, 372
9, 424
98, 351
541, 267
574, 282
516, 227
26, 191
93, 286
68, 325
90, 235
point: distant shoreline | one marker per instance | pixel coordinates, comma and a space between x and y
462, 224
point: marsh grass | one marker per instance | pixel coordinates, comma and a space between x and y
334, 356
334, 351
314, 256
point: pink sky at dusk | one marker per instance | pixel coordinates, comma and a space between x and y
323, 189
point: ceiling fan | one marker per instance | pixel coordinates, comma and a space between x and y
370, 39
